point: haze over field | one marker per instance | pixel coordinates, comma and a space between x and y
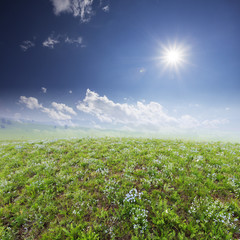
167, 68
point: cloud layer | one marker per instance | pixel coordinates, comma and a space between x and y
140, 115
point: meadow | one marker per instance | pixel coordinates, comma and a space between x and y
119, 188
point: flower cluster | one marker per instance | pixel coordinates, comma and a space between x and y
139, 219
132, 196
103, 171
214, 212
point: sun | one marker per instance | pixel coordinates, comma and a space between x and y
173, 57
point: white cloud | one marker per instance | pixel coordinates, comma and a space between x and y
142, 115
44, 90
108, 111
58, 115
70, 91
61, 107
61, 6
106, 8
78, 41
50, 42
31, 102
79, 8
26, 45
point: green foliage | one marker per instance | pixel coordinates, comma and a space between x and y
119, 188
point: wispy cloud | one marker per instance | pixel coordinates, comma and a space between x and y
44, 90
142, 115
77, 41
60, 112
50, 42
78, 8
26, 45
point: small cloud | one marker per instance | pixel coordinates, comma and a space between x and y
227, 108
50, 42
26, 45
31, 102
70, 91
44, 90
106, 8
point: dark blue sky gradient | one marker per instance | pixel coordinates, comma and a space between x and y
118, 44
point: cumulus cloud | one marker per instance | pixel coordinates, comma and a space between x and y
26, 45
108, 111
78, 8
61, 107
151, 115
31, 102
44, 90
60, 111
50, 42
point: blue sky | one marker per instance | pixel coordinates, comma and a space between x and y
53, 51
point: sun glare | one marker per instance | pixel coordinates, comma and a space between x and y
173, 57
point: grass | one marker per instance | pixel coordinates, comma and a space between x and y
119, 188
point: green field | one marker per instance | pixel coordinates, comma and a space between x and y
119, 188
